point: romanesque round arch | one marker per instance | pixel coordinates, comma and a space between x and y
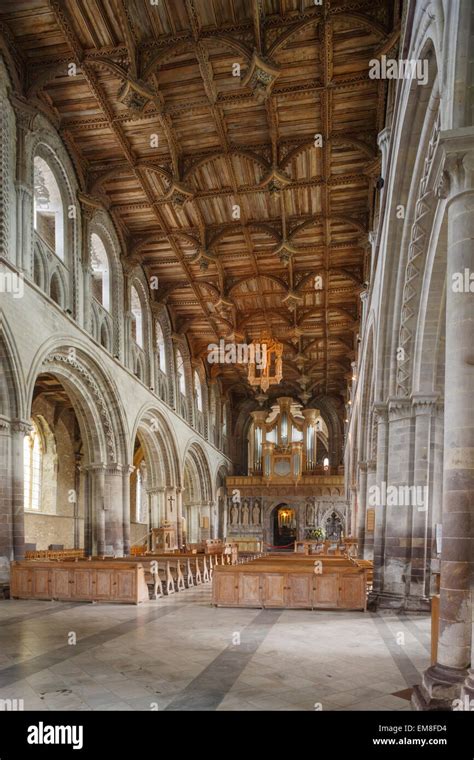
93, 395
161, 446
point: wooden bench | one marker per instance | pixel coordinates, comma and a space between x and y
291, 585
77, 580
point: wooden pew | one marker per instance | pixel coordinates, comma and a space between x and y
291, 585
79, 580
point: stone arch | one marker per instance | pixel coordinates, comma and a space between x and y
198, 492
40, 267
7, 171
93, 396
196, 454
103, 227
163, 319
416, 132
137, 281
203, 423
152, 427
429, 343
57, 290
12, 384
46, 143
185, 406
331, 417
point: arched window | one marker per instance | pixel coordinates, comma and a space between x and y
160, 347
180, 371
32, 470
100, 272
198, 391
224, 418
326, 463
56, 290
48, 207
137, 317
104, 336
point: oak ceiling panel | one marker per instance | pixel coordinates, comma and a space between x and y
299, 58
346, 159
179, 79
155, 102
353, 46
305, 165
155, 21
355, 107
196, 132
299, 118
160, 183
35, 29
222, 59
95, 24
72, 97
246, 123
212, 14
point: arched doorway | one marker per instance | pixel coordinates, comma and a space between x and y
284, 527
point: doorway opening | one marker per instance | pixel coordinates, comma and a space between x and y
284, 528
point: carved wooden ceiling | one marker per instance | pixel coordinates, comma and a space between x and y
176, 145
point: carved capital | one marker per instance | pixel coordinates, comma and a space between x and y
21, 426
456, 173
89, 205
4, 425
399, 408
380, 413
25, 113
424, 403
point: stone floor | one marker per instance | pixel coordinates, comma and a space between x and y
179, 653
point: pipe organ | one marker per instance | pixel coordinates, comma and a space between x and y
283, 443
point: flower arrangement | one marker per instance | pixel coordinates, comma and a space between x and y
316, 534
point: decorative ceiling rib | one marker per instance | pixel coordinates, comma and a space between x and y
197, 124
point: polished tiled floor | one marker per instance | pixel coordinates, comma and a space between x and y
179, 653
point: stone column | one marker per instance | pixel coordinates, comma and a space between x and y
361, 507
127, 471
363, 295
19, 428
12, 520
95, 515
381, 419
179, 516
397, 529
443, 682
369, 537
25, 117
161, 504
154, 504
205, 510
424, 407
78, 483
352, 517
113, 506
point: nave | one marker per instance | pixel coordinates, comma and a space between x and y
183, 654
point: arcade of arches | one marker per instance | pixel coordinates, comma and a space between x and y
157, 213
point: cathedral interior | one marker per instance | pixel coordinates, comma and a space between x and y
236, 358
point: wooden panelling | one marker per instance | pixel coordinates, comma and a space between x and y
289, 585
78, 581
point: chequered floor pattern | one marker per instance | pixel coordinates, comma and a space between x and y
180, 653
